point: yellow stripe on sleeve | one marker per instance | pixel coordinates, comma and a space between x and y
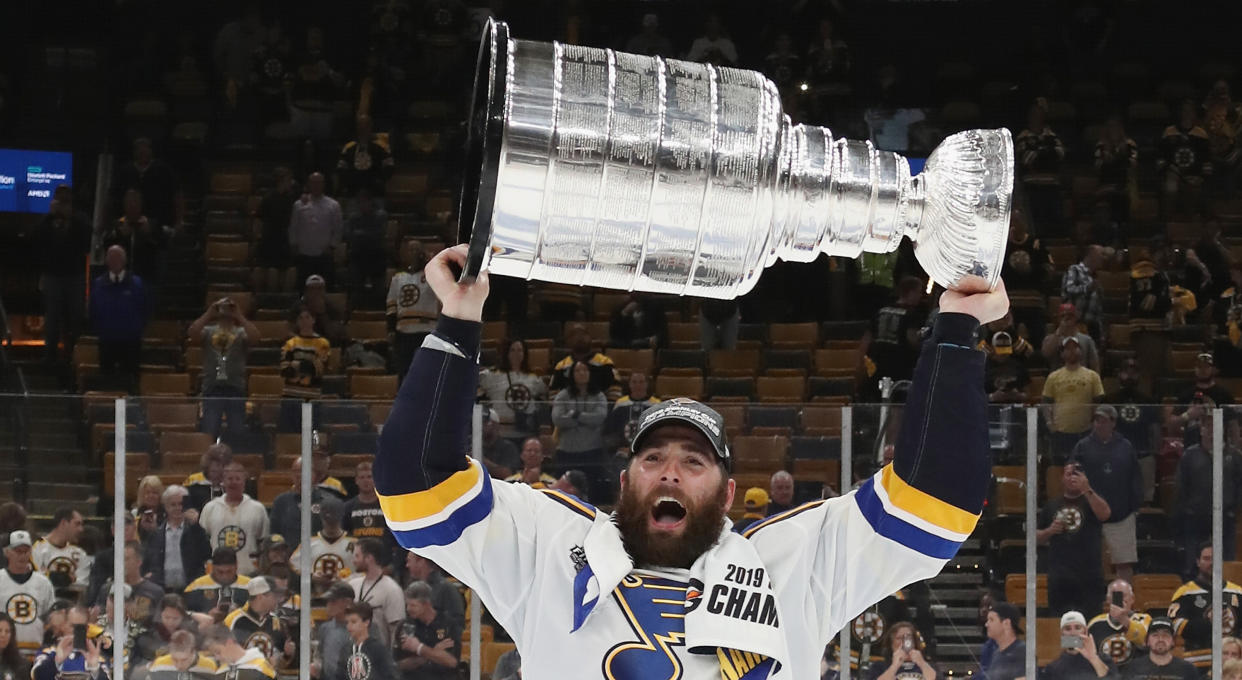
411, 507
926, 506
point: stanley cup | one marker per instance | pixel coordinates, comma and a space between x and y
600, 168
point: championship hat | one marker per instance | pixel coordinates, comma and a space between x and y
687, 412
1160, 623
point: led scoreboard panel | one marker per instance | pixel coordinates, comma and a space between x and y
28, 178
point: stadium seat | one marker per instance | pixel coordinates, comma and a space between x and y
491, 653
821, 420
832, 363
1015, 589
246, 442
235, 182
815, 448
373, 386
759, 454
786, 390
787, 362
729, 388
166, 416
604, 303
273, 483
367, 331
341, 416
793, 335
164, 384
1155, 587
185, 442
630, 360
1010, 489
684, 335
682, 358
669, 386
824, 471
734, 418
782, 420
137, 466
354, 443
265, 386
737, 363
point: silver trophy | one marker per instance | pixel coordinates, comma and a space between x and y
601, 168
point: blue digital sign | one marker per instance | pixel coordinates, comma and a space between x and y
28, 178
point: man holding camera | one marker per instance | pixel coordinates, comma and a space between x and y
226, 335
1120, 632
1080, 659
1072, 530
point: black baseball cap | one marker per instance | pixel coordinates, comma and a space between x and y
689, 412
1160, 623
1005, 610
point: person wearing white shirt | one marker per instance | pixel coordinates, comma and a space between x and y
236, 521
373, 586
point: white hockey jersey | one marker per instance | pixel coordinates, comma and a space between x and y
241, 528
27, 603
329, 559
817, 567
412, 301
69, 559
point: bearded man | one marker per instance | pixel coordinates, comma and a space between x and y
661, 588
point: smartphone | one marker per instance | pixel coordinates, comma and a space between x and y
1119, 598
225, 599
1071, 642
907, 644
79, 636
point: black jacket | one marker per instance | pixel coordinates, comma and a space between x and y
195, 552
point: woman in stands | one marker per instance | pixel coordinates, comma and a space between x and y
12, 665
578, 412
148, 510
903, 657
514, 392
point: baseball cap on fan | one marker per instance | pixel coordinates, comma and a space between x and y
687, 412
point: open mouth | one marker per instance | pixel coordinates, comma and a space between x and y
667, 512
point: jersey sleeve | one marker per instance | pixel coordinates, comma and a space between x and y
904, 523
442, 504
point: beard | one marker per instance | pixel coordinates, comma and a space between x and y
646, 546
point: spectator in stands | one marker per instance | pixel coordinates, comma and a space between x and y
287, 507
784, 66
365, 650
208, 482
1192, 509
445, 596
1160, 662
532, 471
719, 322
1067, 327
21, 577
332, 635
829, 62
1150, 292
372, 586
1230, 648
236, 521
365, 162
142, 595
60, 661
364, 233
118, 313
893, 340
1080, 658
508, 666
316, 84
1027, 265
234, 660
500, 456
329, 317
1111, 463
1080, 288
331, 549
315, 230
1206, 387
141, 238
1216, 258
58, 554
1191, 608
148, 510
903, 656
582, 350
1040, 152
713, 46
755, 509
178, 549
304, 357
427, 645
12, 664
1137, 420
1069, 391
226, 336
182, 660
363, 516
1116, 157
578, 412
62, 240
1183, 163
638, 324
1120, 632
781, 492
650, 41
515, 394
622, 421
273, 257
574, 483
1072, 531
412, 308
101, 565
154, 181
169, 621
221, 589
1006, 377
1003, 626
1222, 121
254, 626
236, 42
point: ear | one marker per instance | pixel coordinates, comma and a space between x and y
623, 477
730, 490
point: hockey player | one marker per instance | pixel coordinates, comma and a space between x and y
662, 587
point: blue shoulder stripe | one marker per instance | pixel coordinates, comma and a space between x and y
899, 530
451, 528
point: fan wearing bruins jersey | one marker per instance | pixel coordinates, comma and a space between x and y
1120, 633
236, 662
26, 595
220, 590
533, 459
363, 517
254, 626
304, 356
411, 306
1191, 611
57, 554
183, 661
330, 550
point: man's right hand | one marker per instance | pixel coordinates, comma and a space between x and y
460, 300
1057, 526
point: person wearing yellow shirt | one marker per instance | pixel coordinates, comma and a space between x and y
304, 357
1069, 393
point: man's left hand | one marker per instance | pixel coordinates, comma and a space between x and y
977, 301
